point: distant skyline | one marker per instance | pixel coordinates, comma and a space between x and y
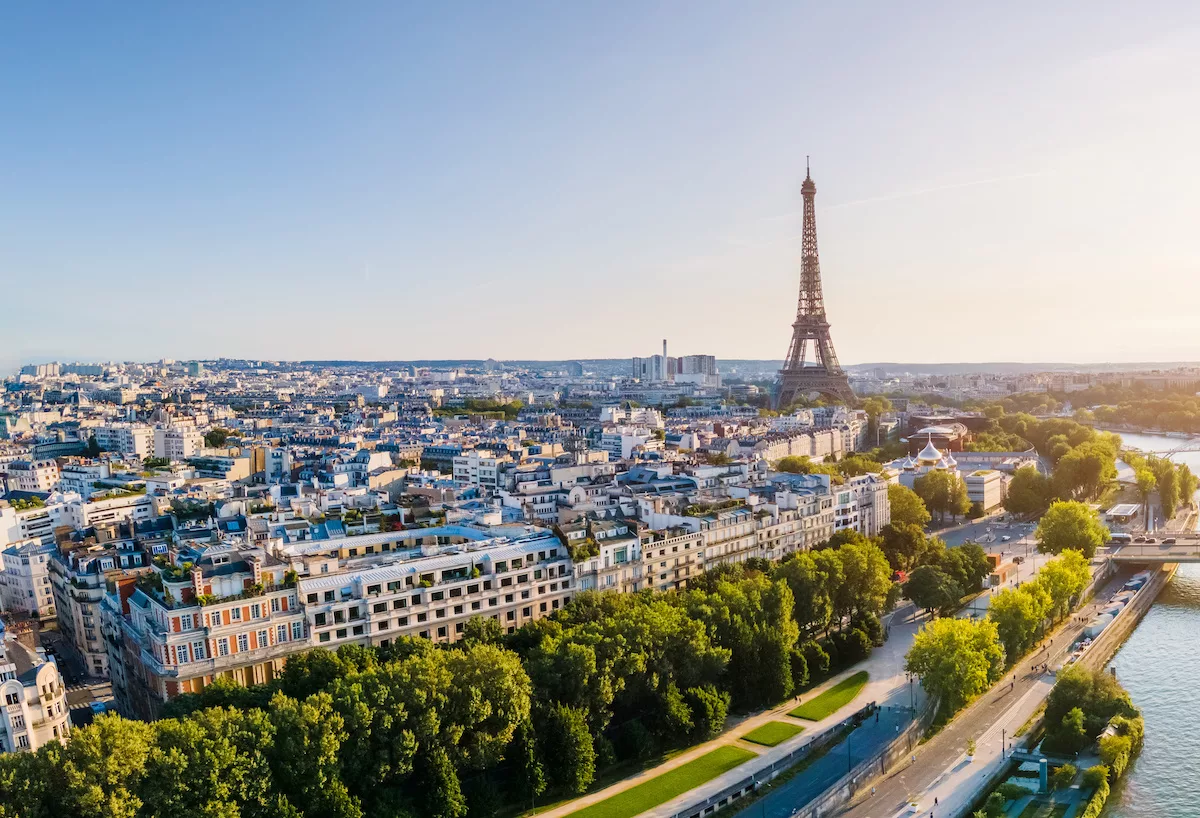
391, 181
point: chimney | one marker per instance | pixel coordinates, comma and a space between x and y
197, 581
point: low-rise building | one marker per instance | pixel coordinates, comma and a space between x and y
32, 475
985, 487
178, 443
25, 586
35, 710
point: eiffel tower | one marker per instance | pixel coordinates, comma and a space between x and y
824, 375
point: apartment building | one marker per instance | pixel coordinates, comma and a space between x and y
670, 557
79, 574
871, 498
178, 443
125, 438
81, 476
32, 475
25, 586
231, 613
430, 590
607, 555
480, 468
35, 711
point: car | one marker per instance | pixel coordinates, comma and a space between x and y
98, 708
1169, 541
1151, 539
1005, 538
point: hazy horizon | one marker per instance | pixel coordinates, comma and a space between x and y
560, 182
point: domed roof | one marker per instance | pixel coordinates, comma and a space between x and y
930, 452
950, 461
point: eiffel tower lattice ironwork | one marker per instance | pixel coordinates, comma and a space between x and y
824, 375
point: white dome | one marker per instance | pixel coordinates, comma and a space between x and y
929, 453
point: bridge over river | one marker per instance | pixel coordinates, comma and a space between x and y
1186, 548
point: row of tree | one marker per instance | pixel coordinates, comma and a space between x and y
1174, 483
957, 659
494, 721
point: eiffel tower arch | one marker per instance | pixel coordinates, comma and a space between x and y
823, 375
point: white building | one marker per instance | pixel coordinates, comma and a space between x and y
985, 487
278, 465
35, 709
25, 580
178, 443
871, 497
125, 438
82, 476
32, 475
621, 441
479, 467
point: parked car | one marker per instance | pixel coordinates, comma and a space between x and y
1151, 539
1169, 541
1139, 539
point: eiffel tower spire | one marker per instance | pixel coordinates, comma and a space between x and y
824, 374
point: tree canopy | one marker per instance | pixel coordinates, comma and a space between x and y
1070, 524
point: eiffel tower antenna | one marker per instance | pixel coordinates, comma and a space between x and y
824, 375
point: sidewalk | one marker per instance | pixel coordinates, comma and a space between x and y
887, 685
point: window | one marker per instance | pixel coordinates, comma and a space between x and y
416, 599
319, 620
505, 582
487, 585
223, 646
473, 589
381, 626
274, 604
235, 614
458, 609
475, 605
297, 630
185, 622
422, 617
197, 651
358, 630
262, 638
437, 596
373, 589
492, 603
542, 607
256, 611
511, 616
440, 613
458, 628
500, 567
524, 595
243, 643
379, 607
11, 698
508, 597
401, 622
526, 611
323, 637
312, 599
341, 633
281, 633
397, 604
441, 632
355, 613
523, 578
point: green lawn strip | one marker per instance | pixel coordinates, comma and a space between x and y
773, 732
663, 788
1041, 809
832, 699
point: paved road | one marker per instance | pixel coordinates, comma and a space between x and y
942, 770
864, 742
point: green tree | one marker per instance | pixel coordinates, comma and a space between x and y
568, 754
215, 438
1019, 614
481, 630
93, 447
956, 659
1071, 525
904, 545
1063, 579
531, 775
814, 579
305, 756
936, 490
968, 566
957, 502
1146, 483
1028, 492
932, 589
907, 508
102, 768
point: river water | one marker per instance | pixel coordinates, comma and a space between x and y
1160, 667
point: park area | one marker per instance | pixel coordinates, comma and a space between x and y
832, 700
773, 733
663, 788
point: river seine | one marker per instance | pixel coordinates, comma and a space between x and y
1160, 667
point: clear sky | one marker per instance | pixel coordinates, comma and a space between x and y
569, 179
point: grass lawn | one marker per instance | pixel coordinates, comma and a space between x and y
663, 788
773, 732
832, 699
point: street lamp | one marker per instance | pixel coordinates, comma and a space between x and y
1003, 738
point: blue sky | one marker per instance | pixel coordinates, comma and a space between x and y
557, 180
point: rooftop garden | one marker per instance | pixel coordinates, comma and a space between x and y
26, 503
703, 509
